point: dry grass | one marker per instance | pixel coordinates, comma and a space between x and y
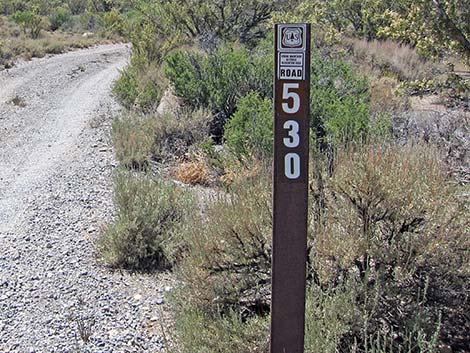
383, 97
391, 59
14, 45
194, 173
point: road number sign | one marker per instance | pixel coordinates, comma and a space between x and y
290, 178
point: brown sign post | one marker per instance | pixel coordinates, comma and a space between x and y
290, 179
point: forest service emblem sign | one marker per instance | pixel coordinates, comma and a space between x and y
292, 37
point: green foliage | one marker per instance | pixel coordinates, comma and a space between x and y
210, 23
59, 17
218, 80
9, 7
149, 214
140, 85
339, 102
199, 332
113, 21
250, 130
29, 22
330, 313
149, 29
339, 98
90, 21
433, 27
133, 140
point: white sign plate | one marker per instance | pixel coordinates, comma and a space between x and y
291, 50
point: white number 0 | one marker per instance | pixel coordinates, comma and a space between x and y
288, 95
292, 166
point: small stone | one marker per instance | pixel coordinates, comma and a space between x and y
137, 297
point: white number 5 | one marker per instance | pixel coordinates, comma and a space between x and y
286, 94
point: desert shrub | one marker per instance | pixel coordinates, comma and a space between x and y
30, 22
228, 262
139, 139
149, 28
113, 21
59, 17
139, 86
330, 313
448, 131
226, 272
133, 139
90, 21
250, 130
339, 102
339, 98
185, 72
54, 46
149, 214
394, 225
176, 133
392, 59
199, 332
220, 79
386, 251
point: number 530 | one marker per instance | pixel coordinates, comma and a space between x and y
291, 105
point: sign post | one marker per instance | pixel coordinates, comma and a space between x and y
290, 192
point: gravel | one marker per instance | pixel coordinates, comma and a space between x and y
56, 166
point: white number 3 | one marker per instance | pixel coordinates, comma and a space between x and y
293, 140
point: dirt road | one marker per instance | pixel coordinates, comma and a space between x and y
55, 194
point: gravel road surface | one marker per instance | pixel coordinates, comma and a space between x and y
55, 195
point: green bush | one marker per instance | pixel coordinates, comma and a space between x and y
139, 86
90, 21
186, 72
199, 332
59, 17
250, 130
30, 22
220, 79
339, 102
145, 234
339, 98
113, 21
133, 140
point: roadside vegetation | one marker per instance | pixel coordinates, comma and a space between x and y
35, 28
388, 227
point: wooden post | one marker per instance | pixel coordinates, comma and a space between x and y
290, 181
